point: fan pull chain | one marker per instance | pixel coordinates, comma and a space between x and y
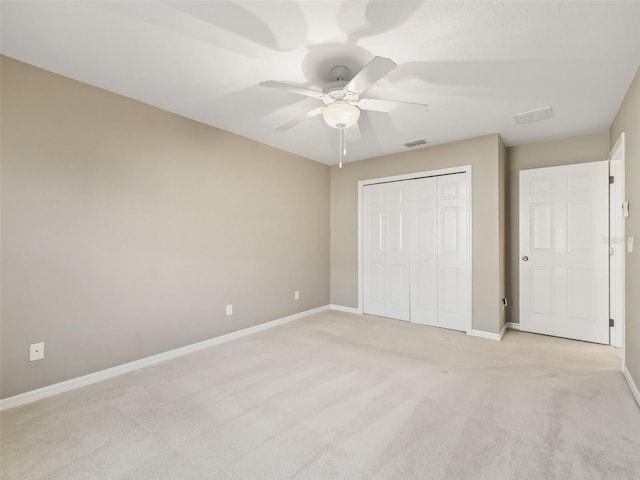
344, 143
343, 146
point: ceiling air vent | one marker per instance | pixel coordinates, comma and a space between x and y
533, 115
415, 143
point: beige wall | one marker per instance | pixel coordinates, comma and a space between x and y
126, 230
585, 148
628, 121
483, 155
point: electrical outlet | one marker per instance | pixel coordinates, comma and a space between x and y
296, 295
36, 351
229, 310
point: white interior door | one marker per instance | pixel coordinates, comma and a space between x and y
564, 251
386, 268
453, 253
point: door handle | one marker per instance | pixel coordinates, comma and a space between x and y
525, 259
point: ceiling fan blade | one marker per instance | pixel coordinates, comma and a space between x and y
370, 74
313, 113
353, 133
293, 88
377, 105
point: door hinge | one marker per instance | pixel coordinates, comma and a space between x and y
610, 179
611, 322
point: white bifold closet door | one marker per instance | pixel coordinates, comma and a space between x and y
415, 251
439, 252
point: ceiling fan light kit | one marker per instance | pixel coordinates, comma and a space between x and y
340, 114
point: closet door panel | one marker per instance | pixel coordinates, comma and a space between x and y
374, 275
398, 251
386, 265
453, 248
424, 252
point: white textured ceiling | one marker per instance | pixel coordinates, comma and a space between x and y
475, 63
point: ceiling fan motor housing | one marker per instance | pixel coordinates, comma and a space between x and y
334, 91
337, 91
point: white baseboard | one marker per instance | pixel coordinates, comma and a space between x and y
632, 384
513, 326
503, 331
489, 336
340, 308
72, 384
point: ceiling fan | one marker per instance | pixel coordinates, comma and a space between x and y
342, 97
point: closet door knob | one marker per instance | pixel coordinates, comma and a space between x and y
525, 259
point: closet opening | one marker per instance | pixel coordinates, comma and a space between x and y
414, 238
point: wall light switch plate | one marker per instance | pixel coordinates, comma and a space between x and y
36, 351
296, 295
630, 244
229, 309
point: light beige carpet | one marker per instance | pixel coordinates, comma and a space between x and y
338, 395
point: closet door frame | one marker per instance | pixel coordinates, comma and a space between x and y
396, 178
